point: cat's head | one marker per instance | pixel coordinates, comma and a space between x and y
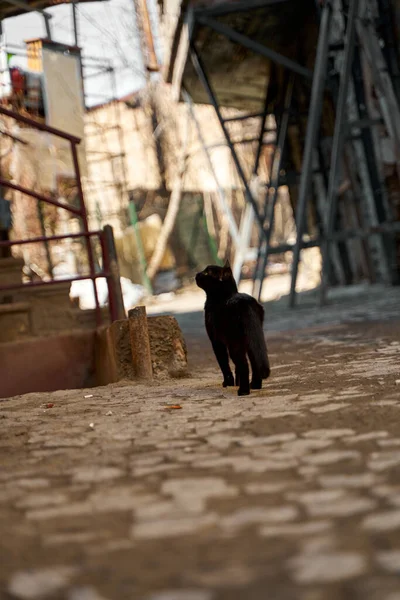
216, 279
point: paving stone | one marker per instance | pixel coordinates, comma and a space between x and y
332, 406
329, 433
84, 593
40, 583
296, 529
237, 574
343, 507
389, 560
40, 500
192, 494
59, 512
258, 515
356, 480
381, 461
331, 457
96, 474
185, 594
266, 488
388, 442
167, 528
383, 521
366, 437
327, 568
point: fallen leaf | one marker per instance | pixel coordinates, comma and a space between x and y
173, 407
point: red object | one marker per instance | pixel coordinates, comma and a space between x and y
49, 405
17, 80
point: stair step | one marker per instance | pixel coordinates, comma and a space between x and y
15, 321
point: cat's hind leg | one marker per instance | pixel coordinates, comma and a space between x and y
238, 355
221, 354
237, 378
256, 379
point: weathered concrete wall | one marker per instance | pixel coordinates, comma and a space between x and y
47, 364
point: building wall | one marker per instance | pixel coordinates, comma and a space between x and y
107, 186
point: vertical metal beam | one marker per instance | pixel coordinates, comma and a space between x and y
263, 121
246, 225
199, 68
46, 18
375, 201
75, 22
85, 223
337, 145
382, 81
272, 192
313, 125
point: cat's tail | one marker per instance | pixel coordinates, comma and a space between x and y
256, 346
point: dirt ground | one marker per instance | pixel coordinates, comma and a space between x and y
180, 490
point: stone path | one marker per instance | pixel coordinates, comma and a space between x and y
183, 491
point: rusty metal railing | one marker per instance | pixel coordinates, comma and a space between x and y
105, 236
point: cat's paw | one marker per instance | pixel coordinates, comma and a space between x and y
244, 392
228, 381
256, 384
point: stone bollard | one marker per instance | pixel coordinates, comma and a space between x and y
140, 343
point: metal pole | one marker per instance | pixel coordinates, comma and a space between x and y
382, 81
199, 67
272, 192
337, 144
47, 18
314, 118
258, 156
263, 121
148, 39
32, 194
84, 218
45, 240
75, 22
247, 221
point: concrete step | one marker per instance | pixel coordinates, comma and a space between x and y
15, 321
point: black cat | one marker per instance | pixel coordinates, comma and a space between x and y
234, 324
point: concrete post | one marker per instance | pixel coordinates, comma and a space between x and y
140, 343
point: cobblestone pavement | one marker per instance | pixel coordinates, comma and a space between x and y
180, 490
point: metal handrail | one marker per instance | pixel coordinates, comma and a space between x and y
37, 125
81, 211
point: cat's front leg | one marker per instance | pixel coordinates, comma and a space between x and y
221, 354
242, 370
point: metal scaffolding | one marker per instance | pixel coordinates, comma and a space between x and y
339, 71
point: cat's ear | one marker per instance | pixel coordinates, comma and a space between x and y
226, 270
